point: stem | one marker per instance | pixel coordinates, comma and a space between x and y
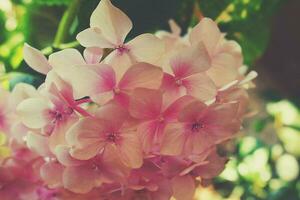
66, 22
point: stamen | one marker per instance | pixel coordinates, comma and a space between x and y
60, 114
112, 137
116, 91
196, 127
161, 119
178, 82
122, 49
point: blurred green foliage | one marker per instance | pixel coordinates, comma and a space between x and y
246, 21
265, 164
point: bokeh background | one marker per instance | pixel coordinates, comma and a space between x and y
264, 159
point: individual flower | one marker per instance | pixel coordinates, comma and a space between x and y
154, 114
147, 183
199, 127
110, 130
19, 93
81, 176
109, 27
188, 74
173, 42
38, 61
226, 56
52, 112
104, 86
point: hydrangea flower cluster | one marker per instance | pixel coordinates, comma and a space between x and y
134, 120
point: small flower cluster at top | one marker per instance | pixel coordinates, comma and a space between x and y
142, 122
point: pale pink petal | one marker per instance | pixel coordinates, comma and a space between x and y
191, 112
164, 191
215, 166
38, 144
93, 55
142, 75
66, 58
191, 60
221, 114
21, 92
18, 131
113, 169
113, 114
200, 86
120, 62
62, 153
183, 187
147, 132
145, 103
220, 133
36, 60
87, 152
93, 37
80, 179
131, 149
146, 48
85, 138
34, 112
235, 95
114, 24
198, 143
51, 173
106, 78
206, 31
223, 70
173, 110
71, 67
171, 89
103, 98
173, 140
175, 29
59, 89
233, 48
58, 136
122, 98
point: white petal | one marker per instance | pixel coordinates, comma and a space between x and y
113, 23
34, 112
36, 60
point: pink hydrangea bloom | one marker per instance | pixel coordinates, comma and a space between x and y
199, 127
112, 131
109, 27
142, 122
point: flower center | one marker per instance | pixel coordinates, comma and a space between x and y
60, 114
122, 49
116, 90
161, 119
196, 126
178, 82
112, 137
